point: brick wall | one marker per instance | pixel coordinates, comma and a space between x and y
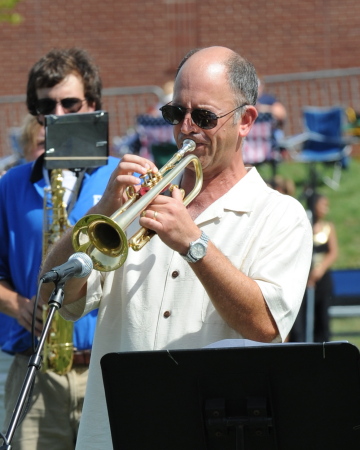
141, 42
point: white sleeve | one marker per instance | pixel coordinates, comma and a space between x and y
282, 266
74, 311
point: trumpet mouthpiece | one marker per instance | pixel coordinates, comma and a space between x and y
188, 146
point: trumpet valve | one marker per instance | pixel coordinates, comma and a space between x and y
150, 179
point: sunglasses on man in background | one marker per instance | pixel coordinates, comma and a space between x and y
46, 106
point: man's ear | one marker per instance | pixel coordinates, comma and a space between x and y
91, 107
247, 120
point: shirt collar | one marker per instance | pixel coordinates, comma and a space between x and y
37, 170
241, 198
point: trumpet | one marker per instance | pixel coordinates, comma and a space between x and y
103, 238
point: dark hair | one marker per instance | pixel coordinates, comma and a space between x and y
57, 64
185, 58
311, 202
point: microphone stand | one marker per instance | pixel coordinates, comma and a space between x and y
55, 303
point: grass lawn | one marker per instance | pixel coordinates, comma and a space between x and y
343, 327
344, 203
344, 213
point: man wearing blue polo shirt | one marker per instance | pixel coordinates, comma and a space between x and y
63, 81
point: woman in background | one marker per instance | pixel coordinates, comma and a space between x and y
325, 252
32, 138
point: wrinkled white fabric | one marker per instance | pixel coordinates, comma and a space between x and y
265, 234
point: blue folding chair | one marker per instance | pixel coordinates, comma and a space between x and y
345, 302
322, 141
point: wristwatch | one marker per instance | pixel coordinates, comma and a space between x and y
197, 249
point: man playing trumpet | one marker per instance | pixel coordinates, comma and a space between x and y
232, 264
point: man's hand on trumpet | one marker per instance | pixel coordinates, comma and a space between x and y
115, 194
170, 219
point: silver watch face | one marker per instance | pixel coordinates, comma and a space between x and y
198, 250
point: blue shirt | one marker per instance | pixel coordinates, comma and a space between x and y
266, 99
21, 233
6, 323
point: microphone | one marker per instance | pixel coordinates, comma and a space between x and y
79, 265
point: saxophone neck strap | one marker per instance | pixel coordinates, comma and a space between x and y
75, 193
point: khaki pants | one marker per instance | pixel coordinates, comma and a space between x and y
52, 420
5, 363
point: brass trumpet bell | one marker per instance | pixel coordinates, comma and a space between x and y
103, 238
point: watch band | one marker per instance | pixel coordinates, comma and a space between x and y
203, 240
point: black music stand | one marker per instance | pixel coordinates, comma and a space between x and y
275, 396
78, 140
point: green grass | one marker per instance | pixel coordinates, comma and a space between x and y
344, 213
343, 326
344, 203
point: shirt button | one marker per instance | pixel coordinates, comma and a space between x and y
167, 314
175, 274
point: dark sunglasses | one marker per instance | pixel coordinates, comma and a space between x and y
201, 117
46, 106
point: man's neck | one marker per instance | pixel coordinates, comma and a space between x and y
212, 189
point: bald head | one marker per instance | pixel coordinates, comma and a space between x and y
215, 53
214, 61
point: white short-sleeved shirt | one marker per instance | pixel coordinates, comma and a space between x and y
156, 302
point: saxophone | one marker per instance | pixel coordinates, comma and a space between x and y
58, 346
